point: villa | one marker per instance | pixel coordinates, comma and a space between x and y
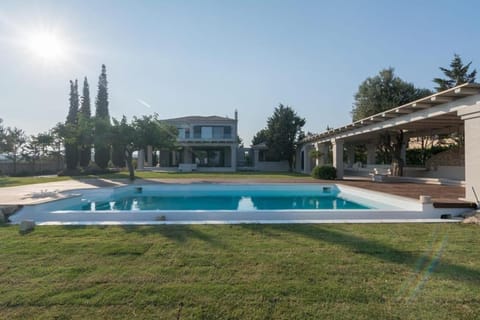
205, 143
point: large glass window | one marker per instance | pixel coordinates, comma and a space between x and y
181, 133
207, 132
218, 132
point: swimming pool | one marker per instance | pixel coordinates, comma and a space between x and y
224, 203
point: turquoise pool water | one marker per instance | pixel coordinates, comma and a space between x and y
136, 203
243, 198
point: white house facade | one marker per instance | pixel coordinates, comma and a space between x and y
204, 143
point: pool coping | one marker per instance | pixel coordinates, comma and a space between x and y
429, 213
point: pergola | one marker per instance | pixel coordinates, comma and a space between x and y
453, 110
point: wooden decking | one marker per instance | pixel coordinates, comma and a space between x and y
442, 196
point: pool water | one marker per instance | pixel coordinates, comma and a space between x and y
220, 202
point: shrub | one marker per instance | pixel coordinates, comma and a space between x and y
324, 172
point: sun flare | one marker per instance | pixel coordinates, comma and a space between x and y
48, 46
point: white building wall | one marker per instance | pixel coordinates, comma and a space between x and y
471, 116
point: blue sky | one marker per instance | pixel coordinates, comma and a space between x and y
212, 57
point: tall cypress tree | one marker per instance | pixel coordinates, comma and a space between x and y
85, 126
102, 122
72, 117
71, 142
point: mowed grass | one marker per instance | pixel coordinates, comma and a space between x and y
6, 181
400, 271
208, 175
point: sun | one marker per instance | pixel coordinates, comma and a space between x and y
47, 46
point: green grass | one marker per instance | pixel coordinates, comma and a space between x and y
207, 175
409, 271
18, 181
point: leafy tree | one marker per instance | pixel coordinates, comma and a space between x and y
456, 75
382, 92
124, 140
58, 144
283, 130
71, 143
102, 122
3, 137
141, 132
260, 137
85, 127
393, 144
15, 139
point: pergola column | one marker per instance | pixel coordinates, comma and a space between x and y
149, 156
337, 150
371, 153
323, 160
141, 160
471, 117
234, 157
307, 160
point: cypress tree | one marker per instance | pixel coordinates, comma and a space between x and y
102, 122
72, 117
85, 126
71, 143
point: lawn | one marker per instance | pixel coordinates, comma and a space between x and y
401, 271
17, 181
6, 181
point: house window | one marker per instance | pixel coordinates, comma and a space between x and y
181, 133
197, 132
218, 132
227, 132
207, 132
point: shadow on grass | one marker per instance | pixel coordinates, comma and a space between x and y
378, 250
179, 234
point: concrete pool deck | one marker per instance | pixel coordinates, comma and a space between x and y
15, 197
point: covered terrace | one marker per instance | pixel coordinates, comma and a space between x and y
453, 110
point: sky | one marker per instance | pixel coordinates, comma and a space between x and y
179, 58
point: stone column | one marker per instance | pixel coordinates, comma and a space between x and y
141, 160
256, 156
149, 156
371, 153
471, 117
324, 157
234, 157
307, 160
174, 158
337, 149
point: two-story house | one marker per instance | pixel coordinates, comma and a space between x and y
204, 143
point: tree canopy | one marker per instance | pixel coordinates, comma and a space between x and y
382, 92
283, 130
140, 132
456, 75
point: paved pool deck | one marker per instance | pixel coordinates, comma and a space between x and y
44, 192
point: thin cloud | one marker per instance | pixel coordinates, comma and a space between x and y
142, 102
